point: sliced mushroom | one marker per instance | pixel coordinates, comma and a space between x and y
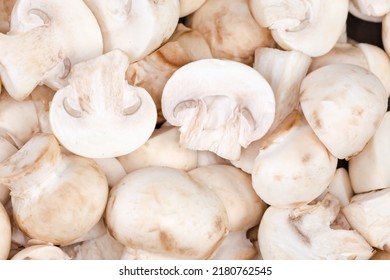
310, 26
292, 167
145, 208
304, 233
368, 213
343, 112
36, 50
76, 200
220, 106
99, 115
369, 170
5, 233
161, 149
230, 29
364, 55
189, 6
135, 27
41, 252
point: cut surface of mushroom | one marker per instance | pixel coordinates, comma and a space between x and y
36, 50
230, 29
41, 252
135, 27
5, 233
145, 208
99, 115
343, 112
304, 233
292, 167
55, 198
302, 25
220, 106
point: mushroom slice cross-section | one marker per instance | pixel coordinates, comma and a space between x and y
220, 106
46, 38
99, 115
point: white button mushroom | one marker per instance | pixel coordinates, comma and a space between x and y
305, 233
230, 29
41, 252
293, 167
55, 198
344, 104
99, 115
220, 106
310, 26
6, 150
36, 50
369, 10
368, 213
5, 233
135, 27
189, 6
160, 213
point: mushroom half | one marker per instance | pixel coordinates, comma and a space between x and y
220, 106
99, 115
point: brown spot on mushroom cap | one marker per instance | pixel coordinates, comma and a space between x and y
357, 111
167, 240
306, 158
317, 124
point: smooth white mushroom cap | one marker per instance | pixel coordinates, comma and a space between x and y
368, 213
99, 115
305, 233
371, 8
41, 252
135, 27
234, 187
6, 150
292, 167
189, 6
310, 26
161, 149
344, 104
369, 170
220, 106
5, 233
162, 212
45, 40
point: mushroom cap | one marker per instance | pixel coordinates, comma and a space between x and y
41, 252
135, 27
292, 167
234, 187
305, 233
371, 8
6, 150
368, 213
189, 6
344, 104
45, 39
220, 105
163, 212
99, 115
5, 233
310, 26
375, 155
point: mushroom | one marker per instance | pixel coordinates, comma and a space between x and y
230, 29
99, 115
41, 252
161, 149
343, 112
368, 213
305, 233
369, 10
375, 155
189, 6
386, 33
292, 167
42, 96
220, 106
76, 200
135, 27
364, 55
5, 233
161, 213
6, 150
5, 14
112, 169
310, 26
36, 50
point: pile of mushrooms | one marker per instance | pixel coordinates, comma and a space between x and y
182, 129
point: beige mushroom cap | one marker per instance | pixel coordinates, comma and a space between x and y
189, 6
5, 233
145, 208
344, 104
41, 252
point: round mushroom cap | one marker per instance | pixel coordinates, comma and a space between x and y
41, 252
5, 233
220, 106
162, 211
